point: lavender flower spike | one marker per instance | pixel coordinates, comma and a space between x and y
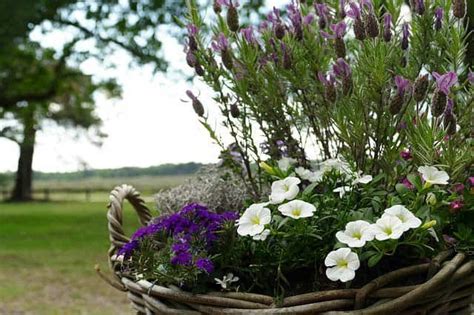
354, 11
387, 27
248, 34
470, 77
403, 85
445, 81
405, 35
341, 68
438, 13
342, 8
339, 30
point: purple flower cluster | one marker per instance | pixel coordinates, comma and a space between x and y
193, 230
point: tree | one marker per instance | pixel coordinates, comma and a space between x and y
38, 84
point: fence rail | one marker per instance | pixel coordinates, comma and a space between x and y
68, 194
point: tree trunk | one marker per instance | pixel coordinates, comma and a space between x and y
24, 174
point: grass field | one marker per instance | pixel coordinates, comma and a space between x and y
47, 255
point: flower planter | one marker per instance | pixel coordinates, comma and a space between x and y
448, 288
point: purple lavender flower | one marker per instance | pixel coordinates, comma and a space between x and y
368, 4
403, 85
322, 11
205, 264
438, 13
342, 8
221, 43
420, 6
445, 81
296, 19
354, 11
248, 34
307, 20
274, 16
341, 68
326, 80
405, 35
192, 29
338, 29
387, 27
470, 77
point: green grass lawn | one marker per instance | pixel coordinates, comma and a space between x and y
47, 255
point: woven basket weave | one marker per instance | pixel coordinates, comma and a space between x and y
448, 289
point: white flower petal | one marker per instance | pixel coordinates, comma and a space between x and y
297, 209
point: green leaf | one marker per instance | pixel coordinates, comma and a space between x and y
282, 222
401, 189
308, 190
366, 255
415, 180
373, 260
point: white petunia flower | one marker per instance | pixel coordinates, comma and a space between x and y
362, 179
343, 263
388, 227
336, 164
226, 281
409, 220
285, 189
313, 177
262, 236
432, 175
297, 209
342, 190
356, 234
285, 163
253, 220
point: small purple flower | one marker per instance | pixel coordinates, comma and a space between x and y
456, 206
296, 19
451, 241
445, 81
205, 264
274, 16
458, 188
406, 155
407, 183
248, 34
403, 85
438, 13
341, 68
354, 12
128, 249
470, 77
339, 30
471, 181
221, 43
309, 19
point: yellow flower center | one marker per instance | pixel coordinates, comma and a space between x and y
296, 212
255, 220
388, 230
286, 187
342, 263
402, 218
357, 235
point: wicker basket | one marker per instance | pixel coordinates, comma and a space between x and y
449, 288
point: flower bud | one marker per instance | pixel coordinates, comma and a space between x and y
191, 59
197, 105
227, 59
340, 47
387, 25
234, 110
279, 31
431, 199
456, 206
439, 103
217, 7
233, 18
287, 61
429, 225
359, 29
418, 6
267, 168
459, 8
449, 122
346, 85
420, 88
192, 43
372, 26
396, 104
199, 70
439, 12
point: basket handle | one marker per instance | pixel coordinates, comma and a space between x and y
115, 217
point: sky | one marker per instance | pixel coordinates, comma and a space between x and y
150, 125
